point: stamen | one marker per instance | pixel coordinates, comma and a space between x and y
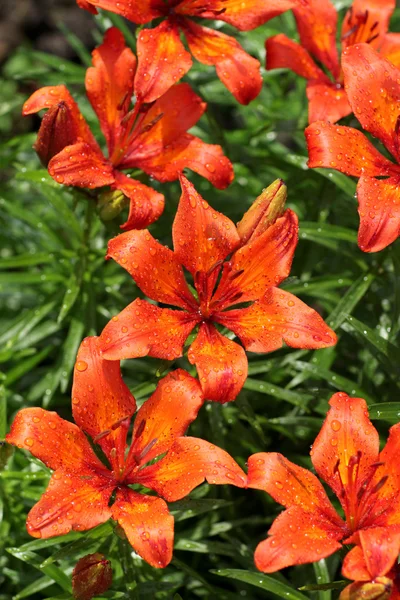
236, 274
101, 435
380, 484
151, 124
141, 427
119, 423
121, 104
145, 451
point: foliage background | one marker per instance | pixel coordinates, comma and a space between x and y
56, 288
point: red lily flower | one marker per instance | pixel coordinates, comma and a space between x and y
161, 49
203, 239
373, 89
365, 21
80, 489
149, 137
346, 456
373, 566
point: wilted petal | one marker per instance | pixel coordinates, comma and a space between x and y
296, 538
57, 130
56, 442
143, 329
81, 165
347, 441
379, 210
146, 204
345, 149
154, 268
381, 588
163, 60
74, 502
365, 70
188, 463
92, 575
148, 525
237, 70
202, 236
165, 416
101, 402
109, 84
220, 363
47, 96
284, 53
327, 101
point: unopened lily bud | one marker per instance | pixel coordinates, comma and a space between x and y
378, 589
57, 131
263, 212
110, 204
92, 576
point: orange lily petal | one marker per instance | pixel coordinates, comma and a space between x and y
390, 48
284, 53
190, 152
243, 15
237, 70
143, 329
379, 210
220, 363
345, 149
81, 165
76, 502
367, 21
47, 96
154, 268
291, 486
109, 84
188, 463
166, 415
347, 435
101, 402
316, 23
146, 205
380, 547
85, 4
140, 11
278, 317
327, 101
166, 120
54, 441
296, 538
163, 60
202, 236
262, 262
148, 525
365, 69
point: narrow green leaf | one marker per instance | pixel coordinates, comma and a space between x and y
26, 260
71, 295
385, 411
296, 398
56, 574
265, 582
325, 230
377, 342
350, 300
70, 350
322, 576
26, 366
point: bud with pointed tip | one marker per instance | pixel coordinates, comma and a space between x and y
378, 589
57, 131
92, 576
110, 204
263, 212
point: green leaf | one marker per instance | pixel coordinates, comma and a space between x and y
377, 342
70, 350
296, 398
56, 574
385, 411
322, 576
350, 300
265, 582
325, 230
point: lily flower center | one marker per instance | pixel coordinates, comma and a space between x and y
357, 497
361, 28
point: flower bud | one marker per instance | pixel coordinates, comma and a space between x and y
57, 131
92, 576
110, 204
263, 212
378, 589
